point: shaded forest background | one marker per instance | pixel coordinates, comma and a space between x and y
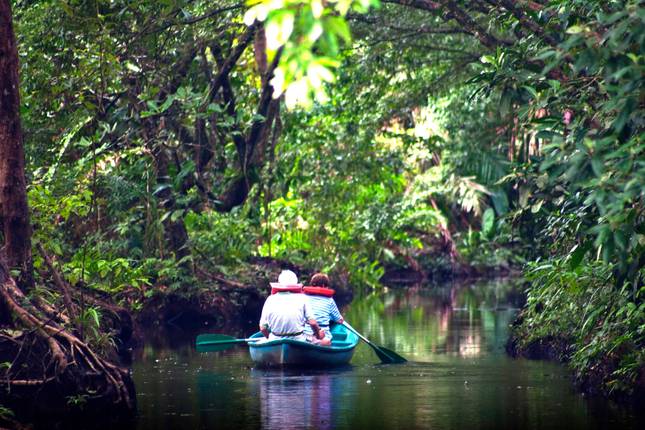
410, 140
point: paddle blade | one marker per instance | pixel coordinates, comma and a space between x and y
211, 337
389, 356
218, 346
216, 342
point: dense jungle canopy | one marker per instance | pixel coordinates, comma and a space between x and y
172, 145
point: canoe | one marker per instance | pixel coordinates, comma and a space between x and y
289, 352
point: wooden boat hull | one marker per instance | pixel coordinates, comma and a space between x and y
288, 352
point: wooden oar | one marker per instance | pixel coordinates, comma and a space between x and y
219, 342
384, 354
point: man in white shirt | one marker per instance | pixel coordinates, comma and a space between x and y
286, 312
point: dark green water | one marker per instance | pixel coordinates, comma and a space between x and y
458, 376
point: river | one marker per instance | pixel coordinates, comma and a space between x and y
458, 377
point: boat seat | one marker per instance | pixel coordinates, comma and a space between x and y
339, 336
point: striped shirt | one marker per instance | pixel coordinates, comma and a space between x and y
324, 310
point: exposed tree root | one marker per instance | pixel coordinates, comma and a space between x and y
60, 283
30, 382
50, 312
70, 360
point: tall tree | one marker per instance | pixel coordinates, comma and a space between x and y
14, 212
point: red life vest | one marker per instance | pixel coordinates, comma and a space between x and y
277, 288
319, 291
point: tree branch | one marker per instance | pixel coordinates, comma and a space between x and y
211, 14
449, 10
228, 64
263, 107
527, 22
459, 15
229, 99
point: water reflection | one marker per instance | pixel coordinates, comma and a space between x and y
425, 323
225, 399
459, 376
290, 399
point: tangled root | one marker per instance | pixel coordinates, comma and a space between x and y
69, 360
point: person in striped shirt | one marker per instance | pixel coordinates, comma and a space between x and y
323, 308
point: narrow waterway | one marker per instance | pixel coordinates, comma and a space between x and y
459, 376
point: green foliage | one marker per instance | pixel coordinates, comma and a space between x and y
166, 274
116, 115
593, 148
89, 323
488, 223
581, 196
290, 231
5, 412
364, 272
601, 327
109, 275
308, 33
79, 400
222, 239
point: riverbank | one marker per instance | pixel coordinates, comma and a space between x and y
580, 318
597, 378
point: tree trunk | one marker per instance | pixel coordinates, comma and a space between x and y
175, 230
14, 211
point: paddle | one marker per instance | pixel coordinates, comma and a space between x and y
384, 354
219, 342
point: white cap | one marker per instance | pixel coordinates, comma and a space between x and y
287, 277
